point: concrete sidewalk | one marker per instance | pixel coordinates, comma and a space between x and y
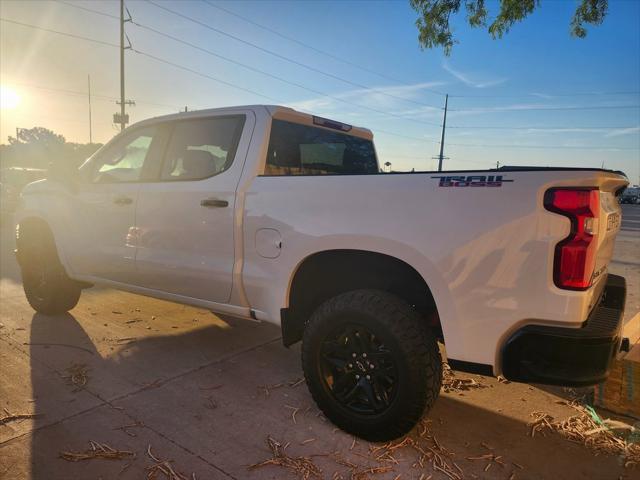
206, 392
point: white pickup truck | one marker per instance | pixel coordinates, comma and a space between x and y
267, 213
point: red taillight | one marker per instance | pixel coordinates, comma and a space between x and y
575, 256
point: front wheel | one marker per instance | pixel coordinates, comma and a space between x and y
46, 285
371, 364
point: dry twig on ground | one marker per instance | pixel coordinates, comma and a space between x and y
164, 467
452, 383
360, 472
429, 450
490, 458
295, 383
294, 411
585, 430
303, 466
18, 416
266, 389
97, 450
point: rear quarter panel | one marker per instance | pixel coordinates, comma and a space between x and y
485, 252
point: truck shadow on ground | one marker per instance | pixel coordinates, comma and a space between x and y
203, 408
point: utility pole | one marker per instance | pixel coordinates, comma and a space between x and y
89, 92
122, 118
444, 126
123, 121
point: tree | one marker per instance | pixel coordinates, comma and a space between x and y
435, 30
39, 147
37, 135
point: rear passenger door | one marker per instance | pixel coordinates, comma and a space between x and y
185, 216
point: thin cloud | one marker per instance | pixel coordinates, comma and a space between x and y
467, 80
623, 131
377, 97
544, 96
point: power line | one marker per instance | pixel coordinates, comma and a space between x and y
276, 77
543, 95
288, 59
176, 39
401, 135
572, 147
72, 35
195, 72
201, 74
494, 109
503, 127
93, 95
348, 62
313, 48
98, 12
281, 79
80, 37
382, 75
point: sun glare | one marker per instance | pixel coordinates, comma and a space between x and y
9, 98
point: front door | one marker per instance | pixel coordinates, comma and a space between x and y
185, 219
101, 218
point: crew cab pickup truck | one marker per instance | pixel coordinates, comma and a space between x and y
267, 213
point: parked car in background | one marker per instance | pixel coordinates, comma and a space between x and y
266, 213
630, 195
12, 181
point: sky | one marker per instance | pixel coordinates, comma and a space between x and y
535, 97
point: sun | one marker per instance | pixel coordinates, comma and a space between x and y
9, 98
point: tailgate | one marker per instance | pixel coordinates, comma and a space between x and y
589, 199
608, 226
609, 222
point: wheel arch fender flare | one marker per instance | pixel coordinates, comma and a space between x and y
404, 255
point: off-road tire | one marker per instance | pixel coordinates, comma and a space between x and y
46, 285
412, 345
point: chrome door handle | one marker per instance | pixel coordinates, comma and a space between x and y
122, 200
214, 203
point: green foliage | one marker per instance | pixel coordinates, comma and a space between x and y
434, 28
589, 11
39, 147
37, 135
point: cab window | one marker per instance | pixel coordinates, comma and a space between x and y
296, 149
123, 161
201, 148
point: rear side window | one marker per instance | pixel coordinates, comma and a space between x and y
202, 148
296, 149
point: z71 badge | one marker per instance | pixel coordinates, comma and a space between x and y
472, 181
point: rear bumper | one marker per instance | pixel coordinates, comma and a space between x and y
569, 356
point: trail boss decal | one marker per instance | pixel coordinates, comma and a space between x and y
472, 181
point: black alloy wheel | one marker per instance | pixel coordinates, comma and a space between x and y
371, 363
358, 369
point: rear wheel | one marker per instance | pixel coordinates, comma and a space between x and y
370, 363
46, 285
